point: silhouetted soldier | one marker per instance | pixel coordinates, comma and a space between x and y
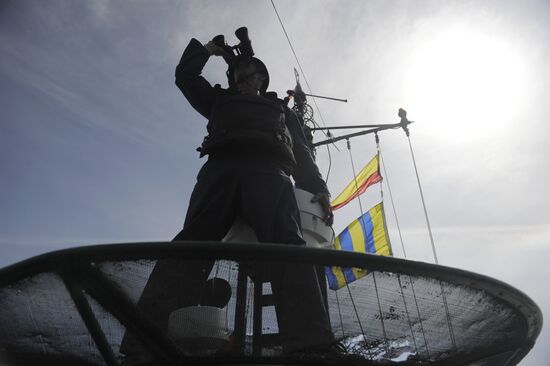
254, 143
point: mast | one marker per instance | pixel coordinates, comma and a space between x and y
303, 110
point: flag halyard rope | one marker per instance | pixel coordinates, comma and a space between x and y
379, 149
443, 296
373, 273
423, 201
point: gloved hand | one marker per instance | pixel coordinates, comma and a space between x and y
215, 50
324, 200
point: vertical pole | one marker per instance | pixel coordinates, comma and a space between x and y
89, 320
257, 318
240, 310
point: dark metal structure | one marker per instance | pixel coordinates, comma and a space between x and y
73, 306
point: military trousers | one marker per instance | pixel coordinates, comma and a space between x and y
262, 194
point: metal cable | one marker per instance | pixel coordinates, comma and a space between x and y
298, 62
377, 139
423, 201
386, 346
373, 274
329, 164
391, 199
340, 314
448, 315
337, 299
361, 208
359, 320
407, 312
419, 317
354, 176
307, 84
404, 253
444, 297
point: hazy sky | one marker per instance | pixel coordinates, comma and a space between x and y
97, 145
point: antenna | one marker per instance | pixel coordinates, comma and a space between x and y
305, 111
371, 128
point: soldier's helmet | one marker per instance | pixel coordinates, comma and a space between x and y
260, 68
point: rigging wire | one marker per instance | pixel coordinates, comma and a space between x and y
443, 296
448, 314
298, 62
340, 314
423, 201
358, 320
386, 346
307, 84
419, 317
404, 254
337, 300
329, 164
407, 312
348, 143
377, 139
410, 278
354, 176
391, 198
361, 208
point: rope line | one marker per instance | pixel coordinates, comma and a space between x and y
384, 334
309, 88
361, 208
443, 296
358, 320
405, 255
379, 149
419, 317
448, 315
407, 312
329, 164
340, 314
391, 199
348, 143
354, 176
298, 62
423, 201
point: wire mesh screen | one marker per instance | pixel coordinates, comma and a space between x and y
255, 304
393, 316
39, 322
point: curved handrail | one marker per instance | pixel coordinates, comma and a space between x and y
54, 261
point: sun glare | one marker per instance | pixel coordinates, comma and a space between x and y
466, 80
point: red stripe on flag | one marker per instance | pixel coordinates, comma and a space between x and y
373, 179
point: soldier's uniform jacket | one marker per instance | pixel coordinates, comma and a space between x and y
261, 126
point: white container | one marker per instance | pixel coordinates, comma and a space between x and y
199, 328
316, 233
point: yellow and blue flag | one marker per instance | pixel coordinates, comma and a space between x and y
368, 176
367, 234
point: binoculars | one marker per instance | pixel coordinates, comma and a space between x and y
239, 51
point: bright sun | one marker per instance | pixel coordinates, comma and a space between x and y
466, 80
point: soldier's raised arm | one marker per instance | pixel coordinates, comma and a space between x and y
198, 91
